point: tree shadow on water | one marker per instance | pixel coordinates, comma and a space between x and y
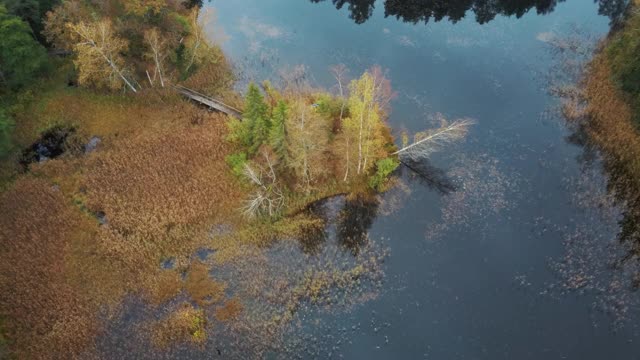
428, 175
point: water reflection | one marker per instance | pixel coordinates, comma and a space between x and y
485, 10
347, 223
354, 222
602, 246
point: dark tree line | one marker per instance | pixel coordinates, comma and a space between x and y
416, 11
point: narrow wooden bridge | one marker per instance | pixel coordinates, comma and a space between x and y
209, 101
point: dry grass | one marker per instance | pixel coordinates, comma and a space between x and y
230, 311
611, 125
161, 192
163, 287
612, 129
161, 185
48, 316
98, 114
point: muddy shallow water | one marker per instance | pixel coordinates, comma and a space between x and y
516, 262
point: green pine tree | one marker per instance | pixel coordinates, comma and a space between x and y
256, 118
22, 58
278, 134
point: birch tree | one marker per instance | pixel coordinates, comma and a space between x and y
339, 73
157, 52
363, 126
197, 44
429, 141
308, 135
98, 55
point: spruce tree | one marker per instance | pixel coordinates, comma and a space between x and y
256, 118
278, 134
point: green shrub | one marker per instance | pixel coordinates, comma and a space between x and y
384, 168
236, 162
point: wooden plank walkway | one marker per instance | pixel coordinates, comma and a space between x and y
209, 101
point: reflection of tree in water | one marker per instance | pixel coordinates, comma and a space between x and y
361, 10
354, 223
347, 224
485, 10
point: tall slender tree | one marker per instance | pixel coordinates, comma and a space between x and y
278, 134
363, 127
157, 52
256, 118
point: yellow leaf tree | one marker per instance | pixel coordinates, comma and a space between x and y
98, 55
144, 7
363, 129
308, 138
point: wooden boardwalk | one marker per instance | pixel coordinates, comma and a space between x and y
209, 101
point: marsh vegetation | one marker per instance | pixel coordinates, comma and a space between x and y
137, 224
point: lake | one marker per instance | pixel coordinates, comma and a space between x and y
515, 263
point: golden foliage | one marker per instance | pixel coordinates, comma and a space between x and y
364, 128
308, 134
98, 55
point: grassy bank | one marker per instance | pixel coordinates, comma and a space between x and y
611, 94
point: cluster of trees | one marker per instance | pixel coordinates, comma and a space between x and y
22, 58
115, 44
303, 139
132, 42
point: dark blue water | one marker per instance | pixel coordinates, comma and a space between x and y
477, 273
